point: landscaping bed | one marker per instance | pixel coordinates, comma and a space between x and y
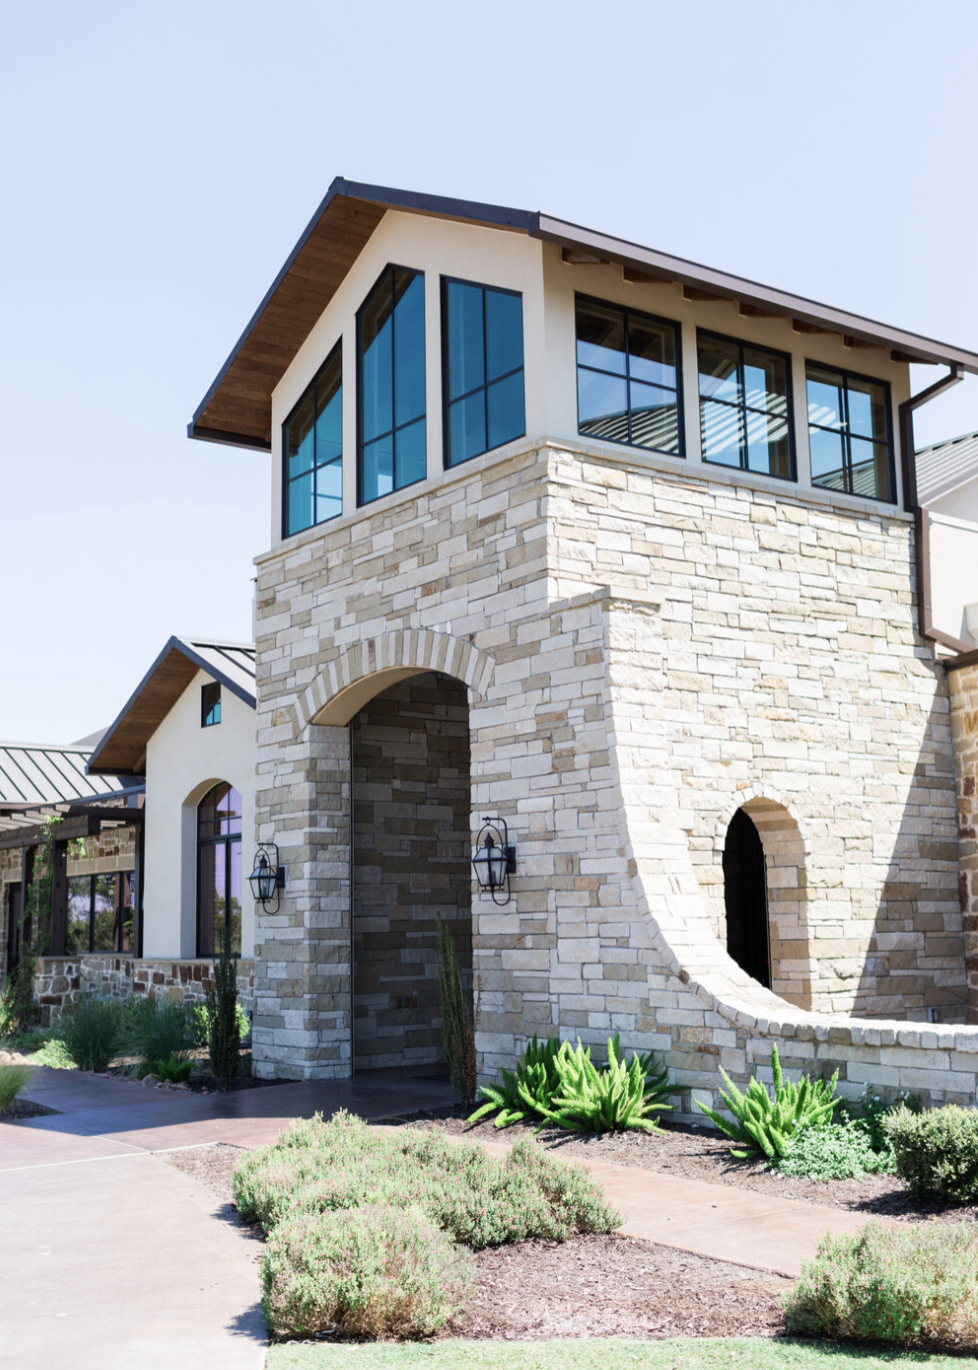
694, 1153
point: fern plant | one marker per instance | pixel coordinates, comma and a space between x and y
611, 1098
765, 1125
173, 1070
526, 1092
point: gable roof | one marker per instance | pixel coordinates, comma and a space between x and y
122, 750
237, 408
944, 466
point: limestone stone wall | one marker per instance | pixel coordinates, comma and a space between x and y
964, 721
644, 652
411, 864
62, 980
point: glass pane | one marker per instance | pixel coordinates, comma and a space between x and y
210, 705
329, 491
378, 468
718, 369
828, 466
504, 334
767, 445
867, 410
765, 381
106, 932
234, 894
506, 419
722, 433
410, 454
299, 441
870, 469
601, 337
467, 428
300, 511
466, 358
128, 920
824, 398
210, 897
329, 424
376, 393
655, 421
602, 405
79, 909
408, 347
229, 813
651, 352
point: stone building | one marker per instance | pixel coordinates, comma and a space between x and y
618, 551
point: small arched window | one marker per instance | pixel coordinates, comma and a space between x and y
219, 870
745, 897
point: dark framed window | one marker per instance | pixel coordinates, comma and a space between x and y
210, 704
219, 870
629, 377
391, 427
745, 406
312, 451
849, 436
482, 368
100, 913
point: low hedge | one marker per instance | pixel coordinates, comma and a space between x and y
936, 1152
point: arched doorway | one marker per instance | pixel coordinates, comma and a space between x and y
411, 809
745, 898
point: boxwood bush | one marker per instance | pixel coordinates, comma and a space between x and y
936, 1152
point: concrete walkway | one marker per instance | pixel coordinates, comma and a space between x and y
121, 1261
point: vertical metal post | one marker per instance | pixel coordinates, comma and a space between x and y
353, 964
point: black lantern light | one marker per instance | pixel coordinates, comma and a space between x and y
268, 877
494, 860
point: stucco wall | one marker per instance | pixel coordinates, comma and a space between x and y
183, 762
954, 574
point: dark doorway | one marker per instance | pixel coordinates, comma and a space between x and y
745, 896
13, 927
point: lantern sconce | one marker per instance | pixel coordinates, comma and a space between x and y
268, 877
494, 860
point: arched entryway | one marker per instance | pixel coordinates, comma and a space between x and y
745, 899
411, 853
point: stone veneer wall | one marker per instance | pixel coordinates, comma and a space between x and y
964, 722
411, 863
645, 651
62, 980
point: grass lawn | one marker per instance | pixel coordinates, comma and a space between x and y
686, 1353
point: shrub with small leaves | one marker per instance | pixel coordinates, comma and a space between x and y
936, 1152
764, 1125
841, 1151
912, 1286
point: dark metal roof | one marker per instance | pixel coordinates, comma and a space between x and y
39, 780
237, 407
122, 750
944, 466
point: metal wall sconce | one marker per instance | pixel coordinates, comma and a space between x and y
494, 860
268, 877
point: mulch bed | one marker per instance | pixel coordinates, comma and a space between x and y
23, 1108
585, 1287
698, 1154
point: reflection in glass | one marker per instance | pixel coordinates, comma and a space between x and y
313, 444
627, 378
848, 434
391, 391
722, 432
219, 870
484, 364
100, 913
744, 407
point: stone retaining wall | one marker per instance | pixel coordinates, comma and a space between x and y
62, 980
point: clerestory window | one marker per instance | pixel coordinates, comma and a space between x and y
482, 366
745, 406
312, 447
392, 439
628, 377
849, 433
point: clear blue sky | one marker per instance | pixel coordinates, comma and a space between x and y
159, 162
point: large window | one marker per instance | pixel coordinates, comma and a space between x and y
628, 377
219, 870
482, 351
312, 447
100, 913
391, 385
745, 409
849, 433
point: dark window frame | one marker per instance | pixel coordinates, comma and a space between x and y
118, 906
446, 400
629, 312
389, 270
210, 697
227, 841
848, 375
337, 348
744, 408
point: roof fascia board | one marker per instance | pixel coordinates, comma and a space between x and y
949, 487
810, 311
216, 672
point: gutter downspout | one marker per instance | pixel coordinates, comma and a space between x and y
921, 518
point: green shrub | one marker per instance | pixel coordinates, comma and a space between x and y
173, 1070
364, 1273
528, 1091
92, 1032
156, 1032
610, 1098
840, 1151
200, 1018
54, 1054
765, 1125
223, 1034
458, 1032
13, 1078
896, 1284
936, 1152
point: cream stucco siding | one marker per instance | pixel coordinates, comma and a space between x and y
183, 761
954, 575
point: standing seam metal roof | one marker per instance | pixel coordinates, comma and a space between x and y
944, 466
44, 774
